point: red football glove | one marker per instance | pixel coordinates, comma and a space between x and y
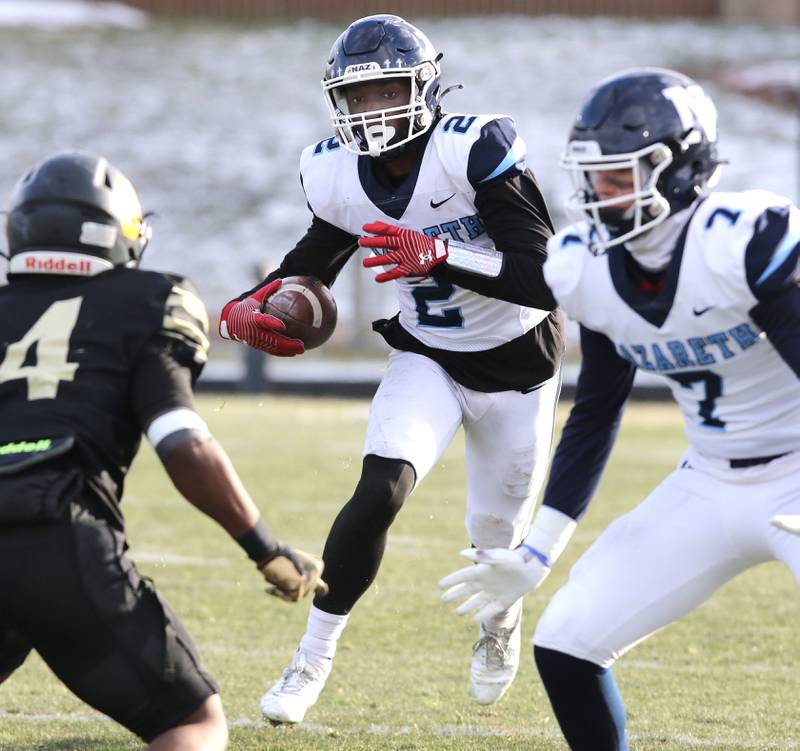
243, 321
414, 252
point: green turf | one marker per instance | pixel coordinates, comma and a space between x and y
724, 678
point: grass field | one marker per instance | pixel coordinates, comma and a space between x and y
724, 678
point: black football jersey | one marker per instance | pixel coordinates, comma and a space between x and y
87, 362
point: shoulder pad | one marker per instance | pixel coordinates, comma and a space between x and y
319, 165
320, 148
480, 147
752, 234
567, 255
185, 318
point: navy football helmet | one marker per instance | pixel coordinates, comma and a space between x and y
377, 48
660, 125
77, 202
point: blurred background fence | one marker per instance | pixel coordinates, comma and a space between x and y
731, 10
430, 8
207, 105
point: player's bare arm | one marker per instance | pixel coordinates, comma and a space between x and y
202, 472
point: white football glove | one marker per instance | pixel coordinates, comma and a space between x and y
787, 522
499, 578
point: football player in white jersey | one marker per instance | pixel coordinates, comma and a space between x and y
451, 213
698, 286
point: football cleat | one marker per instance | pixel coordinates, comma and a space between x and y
495, 659
297, 689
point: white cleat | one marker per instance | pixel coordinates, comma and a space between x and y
298, 689
495, 659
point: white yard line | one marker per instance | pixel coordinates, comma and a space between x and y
448, 731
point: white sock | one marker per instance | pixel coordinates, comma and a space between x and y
506, 619
322, 632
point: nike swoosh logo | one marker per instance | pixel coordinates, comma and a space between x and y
435, 205
699, 312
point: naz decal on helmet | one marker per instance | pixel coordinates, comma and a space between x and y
360, 68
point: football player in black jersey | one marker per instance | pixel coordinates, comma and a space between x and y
94, 352
457, 220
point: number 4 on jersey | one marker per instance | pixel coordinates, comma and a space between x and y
50, 334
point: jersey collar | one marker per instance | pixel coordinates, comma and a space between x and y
393, 201
653, 308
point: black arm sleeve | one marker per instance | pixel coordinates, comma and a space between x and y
322, 252
516, 218
162, 381
779, 317
604, 383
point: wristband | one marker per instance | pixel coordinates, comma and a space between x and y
534, 553
474, 259
549, 533
259, 543
174, 428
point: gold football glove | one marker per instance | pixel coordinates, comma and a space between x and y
292, 574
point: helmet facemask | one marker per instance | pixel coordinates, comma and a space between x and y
619, 218
375, 132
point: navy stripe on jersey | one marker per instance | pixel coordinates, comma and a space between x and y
779, 317
653, 308
604, 383
498, 152
772, 255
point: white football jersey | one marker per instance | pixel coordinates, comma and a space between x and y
341, 190
738, 397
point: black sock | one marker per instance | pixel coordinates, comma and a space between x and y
585, 699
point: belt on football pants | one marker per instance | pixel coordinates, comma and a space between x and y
753, 461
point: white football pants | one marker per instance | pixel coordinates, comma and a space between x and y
703, 525
416, 412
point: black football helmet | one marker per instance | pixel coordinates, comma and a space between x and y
375, 48
659, 124
77, 202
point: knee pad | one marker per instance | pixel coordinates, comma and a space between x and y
383, 487
489, 531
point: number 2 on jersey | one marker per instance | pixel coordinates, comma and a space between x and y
51, 334
450, 318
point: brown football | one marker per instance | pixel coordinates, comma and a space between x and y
307, 308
